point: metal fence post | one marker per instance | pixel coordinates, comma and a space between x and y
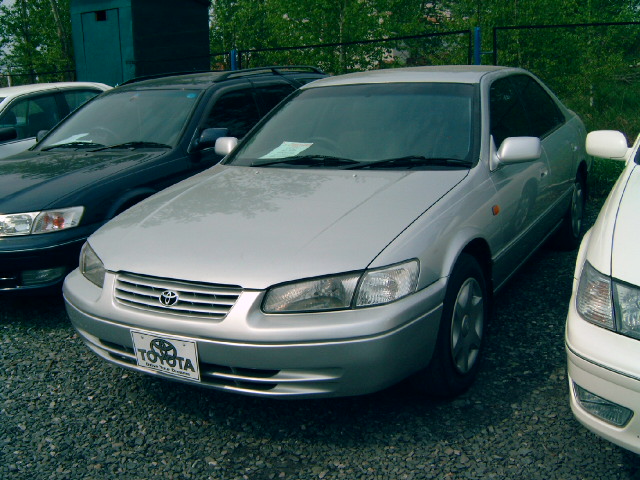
477, 47
234, 59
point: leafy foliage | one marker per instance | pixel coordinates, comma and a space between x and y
35, 41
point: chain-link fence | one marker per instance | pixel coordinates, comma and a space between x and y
594, 68
336, 58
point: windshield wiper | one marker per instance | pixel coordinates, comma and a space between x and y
308, 161
413, 161
134, 145
73, 145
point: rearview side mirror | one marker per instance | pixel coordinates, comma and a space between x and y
607, 144
209, 136
516, 150
225, 145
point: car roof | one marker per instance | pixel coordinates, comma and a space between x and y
446, 73
7, 92
202, 80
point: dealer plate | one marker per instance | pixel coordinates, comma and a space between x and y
173, 356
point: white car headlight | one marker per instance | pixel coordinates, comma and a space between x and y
32, 223
627, 309
593, 299
91, 266
608, 303
339, 292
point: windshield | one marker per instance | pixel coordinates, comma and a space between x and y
398, 126
126, 117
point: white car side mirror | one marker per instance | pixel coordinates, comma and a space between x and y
607, 144
225, 145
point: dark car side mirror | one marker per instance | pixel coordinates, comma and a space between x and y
209, 136
8, 133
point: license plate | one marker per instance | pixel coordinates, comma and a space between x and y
173, 356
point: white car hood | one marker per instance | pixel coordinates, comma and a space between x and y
625, 263
258, 227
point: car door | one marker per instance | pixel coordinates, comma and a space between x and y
522, 188
559, 141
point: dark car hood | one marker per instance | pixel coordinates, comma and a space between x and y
32, 181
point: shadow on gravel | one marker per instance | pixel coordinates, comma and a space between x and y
33, 311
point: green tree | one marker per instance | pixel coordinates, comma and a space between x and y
280, 23
35, 39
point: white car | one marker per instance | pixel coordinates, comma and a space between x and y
603, 323
26, 110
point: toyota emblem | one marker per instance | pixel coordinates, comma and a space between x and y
168, 298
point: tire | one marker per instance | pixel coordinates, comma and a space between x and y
570, 232
466, 309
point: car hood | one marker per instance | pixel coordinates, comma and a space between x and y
35, 180
258, 227
625, 264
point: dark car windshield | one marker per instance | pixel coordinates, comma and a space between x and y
140, 117
374, 126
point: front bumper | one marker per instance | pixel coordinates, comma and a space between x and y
605, 364
242, 353
37, 264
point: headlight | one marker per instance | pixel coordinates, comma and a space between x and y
593, 299
339, 292
91, 266
627, 309
31, 223
608, 303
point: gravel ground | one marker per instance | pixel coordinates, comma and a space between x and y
64, 414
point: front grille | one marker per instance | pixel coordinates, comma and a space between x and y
193, 299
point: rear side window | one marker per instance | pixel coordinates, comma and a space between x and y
235, 110
543, 113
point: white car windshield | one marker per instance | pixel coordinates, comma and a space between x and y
130, 117
399, 126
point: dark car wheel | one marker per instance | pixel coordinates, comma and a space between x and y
456, 357
570, 232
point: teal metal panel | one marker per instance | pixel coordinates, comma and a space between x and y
116, 40
102, 46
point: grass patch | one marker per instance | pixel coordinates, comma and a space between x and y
603, 174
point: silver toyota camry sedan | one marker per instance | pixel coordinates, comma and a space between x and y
353, 239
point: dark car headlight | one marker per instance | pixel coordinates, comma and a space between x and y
349, 290
33, 223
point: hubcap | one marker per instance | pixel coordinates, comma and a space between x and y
467, 325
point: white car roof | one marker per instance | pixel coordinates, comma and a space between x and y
449, 74
11, 92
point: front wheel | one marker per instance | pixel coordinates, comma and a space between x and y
459, 345
570, 232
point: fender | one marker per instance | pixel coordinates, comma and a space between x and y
130, 198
